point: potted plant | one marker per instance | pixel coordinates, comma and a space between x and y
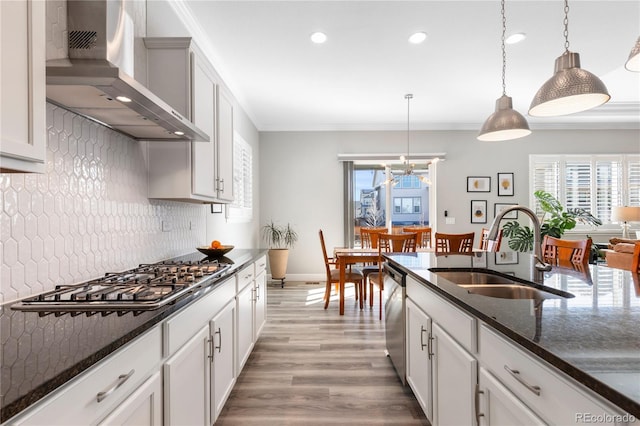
279, 239
555, 221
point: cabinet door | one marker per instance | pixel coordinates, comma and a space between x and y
418, 358
203, 108
260, 297
244, 325
142, 408
222, 331
187, 383
497, 406
225, 146
22, 86
455, 374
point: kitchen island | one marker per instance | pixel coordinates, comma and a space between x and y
593, 338
42, 354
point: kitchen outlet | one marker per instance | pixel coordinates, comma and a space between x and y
450, 220
166, 226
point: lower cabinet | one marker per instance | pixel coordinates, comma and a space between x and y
186, 383
496, 405
244, 307
260, 303
142, 408
418, 370
499, 383
455, 372
222, 329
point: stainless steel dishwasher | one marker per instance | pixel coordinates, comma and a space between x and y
395, 317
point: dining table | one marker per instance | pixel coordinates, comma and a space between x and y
351, 256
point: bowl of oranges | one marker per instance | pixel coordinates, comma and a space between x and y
216, 249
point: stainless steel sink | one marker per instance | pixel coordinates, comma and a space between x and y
493, 284
510, 291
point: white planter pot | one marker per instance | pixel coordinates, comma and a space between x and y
278, 263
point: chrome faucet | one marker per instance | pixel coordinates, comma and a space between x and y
539, 265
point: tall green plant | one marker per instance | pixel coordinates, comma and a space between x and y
555, 222
277, 236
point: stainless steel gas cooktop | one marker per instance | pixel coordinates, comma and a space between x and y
147, 287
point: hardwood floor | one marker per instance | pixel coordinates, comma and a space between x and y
313, 367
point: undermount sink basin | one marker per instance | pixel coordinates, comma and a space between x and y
511, 291
493, 284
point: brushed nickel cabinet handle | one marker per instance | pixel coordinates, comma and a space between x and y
422, 331
101, 396
211, 348
477, 404
516, 375
219, 333
430, 346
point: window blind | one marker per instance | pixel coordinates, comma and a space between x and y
242, 207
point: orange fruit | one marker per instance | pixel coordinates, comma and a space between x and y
215, 244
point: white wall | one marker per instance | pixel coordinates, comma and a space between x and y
301, 179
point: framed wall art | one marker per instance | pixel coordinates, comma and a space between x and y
498, 207
507, 258
478, 211
478, 184
505, 184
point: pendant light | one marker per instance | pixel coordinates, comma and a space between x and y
505, 123
633, 63
571, 89
406, 159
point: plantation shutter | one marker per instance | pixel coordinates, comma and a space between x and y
546, 177
633, 179
242, 207
608, 188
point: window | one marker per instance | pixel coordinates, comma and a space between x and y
408, 182
595, 183
407, 205
241, 210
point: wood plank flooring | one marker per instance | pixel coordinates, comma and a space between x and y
313, 367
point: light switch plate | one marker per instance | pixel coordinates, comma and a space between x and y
450, 220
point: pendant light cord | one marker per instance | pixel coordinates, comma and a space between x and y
504, 51
408, 97
566, 26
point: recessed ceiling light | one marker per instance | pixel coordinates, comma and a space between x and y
318, 37
418, 38
179, 133
515, 38
123, 99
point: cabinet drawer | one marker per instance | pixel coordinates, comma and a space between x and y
457, 323
181, 327
245, 277
116, 377
261, 265
560, 398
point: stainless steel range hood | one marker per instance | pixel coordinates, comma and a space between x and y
97, 81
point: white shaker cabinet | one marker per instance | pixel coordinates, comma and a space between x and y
497, 406
186, 382
418, 372
454, 377
142, 408
22, 90
222, 333
197, 172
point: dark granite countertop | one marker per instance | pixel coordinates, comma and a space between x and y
40, 354
593, 337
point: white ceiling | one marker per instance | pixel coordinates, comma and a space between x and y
357, 79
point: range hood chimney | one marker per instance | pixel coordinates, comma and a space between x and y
97, 82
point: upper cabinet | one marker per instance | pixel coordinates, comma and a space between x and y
22, 90
198, 172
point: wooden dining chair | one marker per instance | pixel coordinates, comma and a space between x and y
352, 275
558, 251
388, 243
423, 233
484, 240
454, 243
369, 236
635, 261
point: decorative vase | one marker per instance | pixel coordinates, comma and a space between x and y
278, 263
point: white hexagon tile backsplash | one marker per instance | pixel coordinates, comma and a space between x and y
88, 214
